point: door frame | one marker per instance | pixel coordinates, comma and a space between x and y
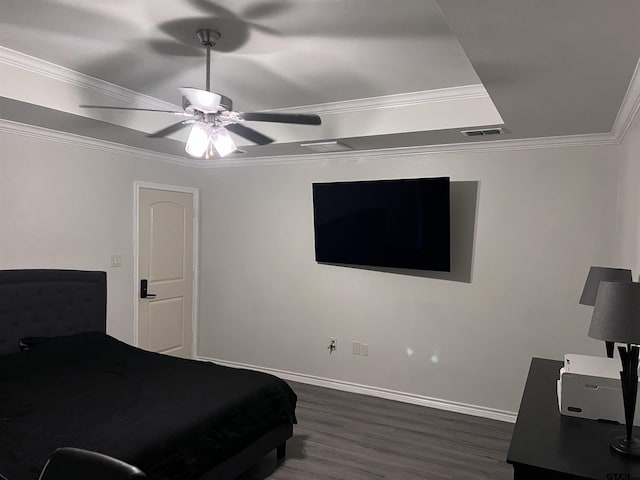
137, 185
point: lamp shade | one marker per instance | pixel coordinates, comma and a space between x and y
601, 274
616, 314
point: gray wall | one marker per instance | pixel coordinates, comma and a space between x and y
527, 225
543, 217
69, 206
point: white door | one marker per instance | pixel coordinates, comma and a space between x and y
165, 263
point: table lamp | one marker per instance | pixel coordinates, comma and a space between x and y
616, 318
595, 276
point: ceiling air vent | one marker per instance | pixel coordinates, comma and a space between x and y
482, 132
332, 146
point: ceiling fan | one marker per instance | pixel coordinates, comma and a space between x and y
212, 117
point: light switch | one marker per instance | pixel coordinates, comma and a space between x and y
116, 261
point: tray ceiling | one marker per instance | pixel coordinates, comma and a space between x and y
373, 69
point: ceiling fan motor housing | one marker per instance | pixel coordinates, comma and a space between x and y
194, 99
208, 37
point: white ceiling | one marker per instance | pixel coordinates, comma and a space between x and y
380, 73
271, 54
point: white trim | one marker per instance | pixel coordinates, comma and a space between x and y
422, 400
449, 94
473, 147
354, 155
629, 107
56, 72
132, 98
137, 185
33, 131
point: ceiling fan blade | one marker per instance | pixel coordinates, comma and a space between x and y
106, 107
170, 129
301, 118
249, 133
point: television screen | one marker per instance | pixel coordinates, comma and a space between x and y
389, 223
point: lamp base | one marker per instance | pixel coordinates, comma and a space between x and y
625, 447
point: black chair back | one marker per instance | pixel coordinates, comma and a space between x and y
76, 464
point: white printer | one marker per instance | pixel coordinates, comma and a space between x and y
589, 387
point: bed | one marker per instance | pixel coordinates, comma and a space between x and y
76, 386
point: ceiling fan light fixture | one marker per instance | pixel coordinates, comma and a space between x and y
222, 141
198, 140
212, 117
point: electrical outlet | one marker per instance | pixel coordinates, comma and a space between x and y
364, 349
355, 347
333, 345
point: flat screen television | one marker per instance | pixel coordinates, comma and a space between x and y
388, 223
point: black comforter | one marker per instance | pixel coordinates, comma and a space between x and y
172, 418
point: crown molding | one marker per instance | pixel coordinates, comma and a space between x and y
629, 107
31, 131
130, 97
473, 147
56, 72
22, 129
465, 92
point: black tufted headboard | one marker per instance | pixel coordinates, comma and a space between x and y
36, 303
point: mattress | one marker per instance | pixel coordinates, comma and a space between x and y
170, 417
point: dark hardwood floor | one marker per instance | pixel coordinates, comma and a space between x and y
345, 436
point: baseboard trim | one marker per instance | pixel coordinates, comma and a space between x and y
422, 400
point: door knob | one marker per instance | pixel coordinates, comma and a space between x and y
143, 289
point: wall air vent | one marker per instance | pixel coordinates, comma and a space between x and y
322, 147
482, 132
